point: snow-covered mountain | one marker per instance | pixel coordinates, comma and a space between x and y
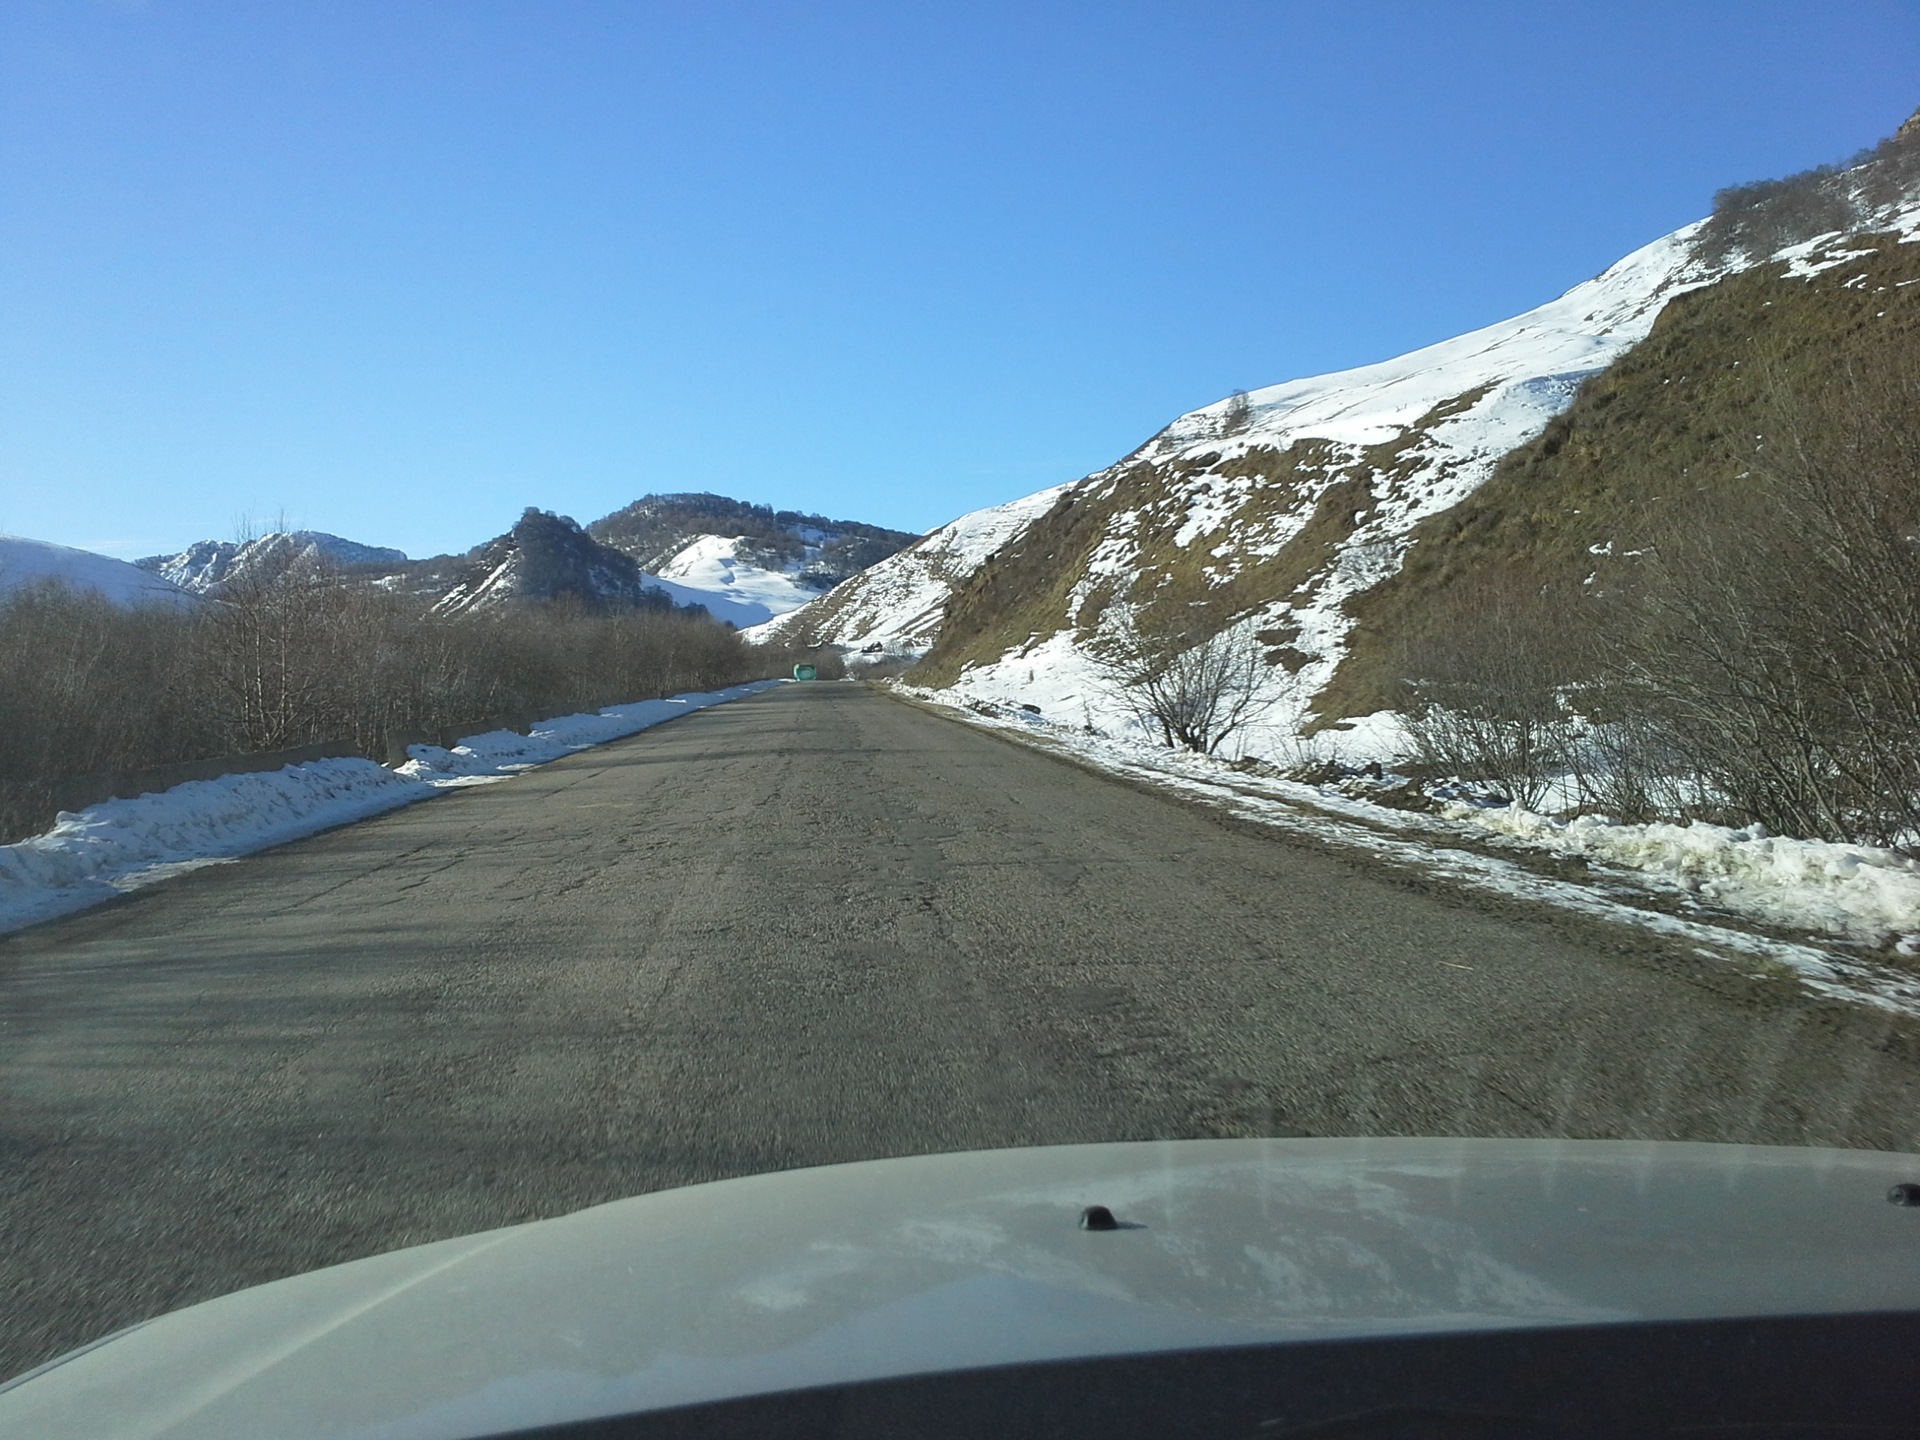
773, 565
208, 566
897, 604
543, 557
27, 562
743, 564
1276, 509
754, 561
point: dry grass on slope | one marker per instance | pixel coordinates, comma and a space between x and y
1667, 435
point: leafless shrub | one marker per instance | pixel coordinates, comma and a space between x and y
1777, 640
1196, 688
1489, 686
1628, 761
1762, 218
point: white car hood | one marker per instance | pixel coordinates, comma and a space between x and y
888, 1268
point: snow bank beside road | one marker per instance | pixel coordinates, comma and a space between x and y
120, 845
1853, 891
501, 753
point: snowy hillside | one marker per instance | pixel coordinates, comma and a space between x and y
897, 603
27, 562
207, 565
1451, 409
1230, 488
1277, 508
734, 588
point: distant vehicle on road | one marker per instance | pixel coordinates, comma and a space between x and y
803, 672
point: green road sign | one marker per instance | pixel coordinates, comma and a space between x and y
803, 672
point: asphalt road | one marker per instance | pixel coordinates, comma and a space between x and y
813, 926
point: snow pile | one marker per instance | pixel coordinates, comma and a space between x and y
28, 562
1853, 891
121, 845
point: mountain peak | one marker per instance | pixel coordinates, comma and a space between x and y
549, 557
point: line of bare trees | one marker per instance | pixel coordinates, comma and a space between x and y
1759, 662
88, 686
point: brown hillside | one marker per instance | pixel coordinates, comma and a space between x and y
1314, 491
1673, 425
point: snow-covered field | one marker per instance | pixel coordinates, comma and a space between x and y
121, 845
1849, 900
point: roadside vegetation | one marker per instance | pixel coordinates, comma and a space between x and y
1194, 686
1742, 642
312, 657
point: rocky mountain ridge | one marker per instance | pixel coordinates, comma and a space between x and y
209, 566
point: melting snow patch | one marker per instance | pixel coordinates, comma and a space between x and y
122, 845
1852, 891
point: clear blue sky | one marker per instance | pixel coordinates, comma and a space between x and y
399, 269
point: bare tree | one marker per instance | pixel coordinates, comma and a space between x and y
1195, 688
1490, 684
1238, 414
306, 655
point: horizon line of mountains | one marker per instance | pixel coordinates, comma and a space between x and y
756, 561
1337, 516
